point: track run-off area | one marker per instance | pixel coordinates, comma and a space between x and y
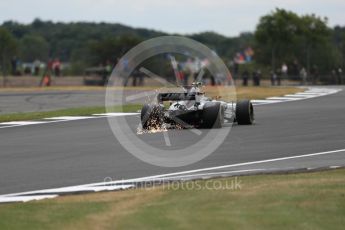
67, 155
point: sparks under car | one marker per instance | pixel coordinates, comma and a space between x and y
192, 108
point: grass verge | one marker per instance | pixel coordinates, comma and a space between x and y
241, 93
264, 92
83, 111
250, 92
293, 201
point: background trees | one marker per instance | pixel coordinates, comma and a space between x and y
275, 34
285, 37
8, 47
33, 47
111, 48
280, 37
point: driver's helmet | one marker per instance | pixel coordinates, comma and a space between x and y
196, 87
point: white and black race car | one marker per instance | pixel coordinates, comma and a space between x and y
192, 108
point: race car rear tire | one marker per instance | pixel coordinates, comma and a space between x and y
151, 116
212, 115
244, 112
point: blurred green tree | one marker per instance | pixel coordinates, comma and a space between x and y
275, 32
112, 48
283, 36
338, 38
315, 33
34, 47
8, 48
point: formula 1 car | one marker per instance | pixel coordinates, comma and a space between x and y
192, 108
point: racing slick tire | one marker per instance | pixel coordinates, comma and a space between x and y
212, 115
152, 116
244, 112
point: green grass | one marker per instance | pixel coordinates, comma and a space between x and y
302, 201
55, 216
83, 111
292, 201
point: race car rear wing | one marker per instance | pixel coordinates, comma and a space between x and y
176, 97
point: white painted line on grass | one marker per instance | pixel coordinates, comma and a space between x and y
281, 98
25, 198
299, 96
307, 94
212, 173
334, 167
128, 183
114, 114
265, 101
239, 164
61, 119
69, 118
22, 122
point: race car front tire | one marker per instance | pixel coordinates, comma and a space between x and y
152, 116
244, 112
212, 115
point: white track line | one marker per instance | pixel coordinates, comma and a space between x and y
119, 184
307, 94
22, 122
281, 98
238, 164
310, 93
61, 119
166, 139
265, 101
334, 167
25, 198
69, 118
199, 175
299, 96
114, 114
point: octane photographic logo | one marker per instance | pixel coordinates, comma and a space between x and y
165, 147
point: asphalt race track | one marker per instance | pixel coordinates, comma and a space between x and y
12, 102
85, 151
